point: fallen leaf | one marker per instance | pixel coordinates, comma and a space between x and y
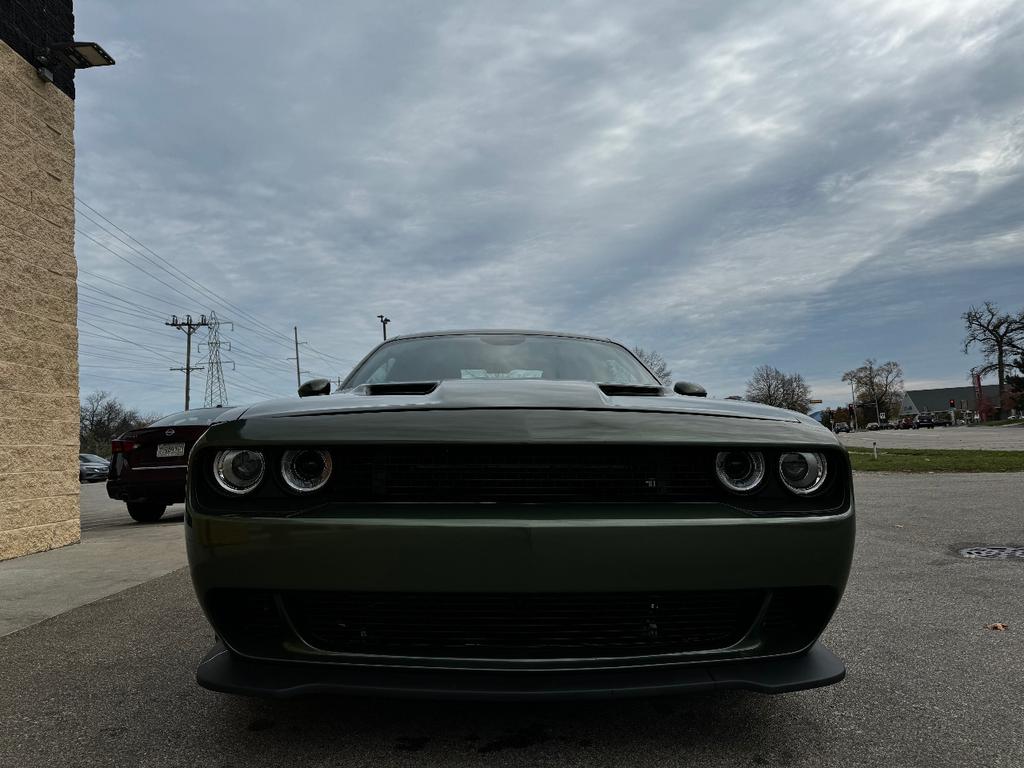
997, 627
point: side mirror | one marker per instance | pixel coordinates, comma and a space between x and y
315, 387
691, 390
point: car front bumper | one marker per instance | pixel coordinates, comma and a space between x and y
226, 672
391, 550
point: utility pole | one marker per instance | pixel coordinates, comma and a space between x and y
298, 371
384, 325
188, 327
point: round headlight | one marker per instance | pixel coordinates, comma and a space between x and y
306, 469
740, 471
802, 473
238, 471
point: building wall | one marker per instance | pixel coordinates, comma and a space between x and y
937, 400
38, 305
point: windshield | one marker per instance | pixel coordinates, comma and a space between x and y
500, 356
183, 418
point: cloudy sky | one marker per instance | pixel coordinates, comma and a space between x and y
799, 184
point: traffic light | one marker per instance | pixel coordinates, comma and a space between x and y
952, 402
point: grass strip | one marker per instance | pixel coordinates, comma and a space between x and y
920, 460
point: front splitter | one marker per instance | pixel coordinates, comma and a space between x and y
223, 671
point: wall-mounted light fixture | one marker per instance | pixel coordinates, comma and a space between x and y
74, 55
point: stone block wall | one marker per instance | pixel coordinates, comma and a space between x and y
38, 305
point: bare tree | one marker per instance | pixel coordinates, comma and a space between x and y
1015, 384
102, 417
881, 384
771, 386
999, 336
656, 363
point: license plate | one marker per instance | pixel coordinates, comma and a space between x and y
167, 450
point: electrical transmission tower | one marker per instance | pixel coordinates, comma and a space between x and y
216, 389
188, 327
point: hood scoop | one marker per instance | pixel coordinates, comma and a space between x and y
631, 390
397, 388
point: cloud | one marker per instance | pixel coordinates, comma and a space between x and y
728, 185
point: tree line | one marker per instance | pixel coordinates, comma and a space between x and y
103, 417
997, 335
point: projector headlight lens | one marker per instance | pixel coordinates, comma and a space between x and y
238, 471
803, 473
306, 469
740, 471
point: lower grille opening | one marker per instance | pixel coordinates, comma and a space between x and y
796, 616
519, 626
248, 620
522, 625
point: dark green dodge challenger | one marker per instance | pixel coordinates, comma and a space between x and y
508, 514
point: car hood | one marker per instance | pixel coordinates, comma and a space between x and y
525, 394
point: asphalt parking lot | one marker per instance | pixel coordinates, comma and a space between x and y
102, 513
970, 438
111, 683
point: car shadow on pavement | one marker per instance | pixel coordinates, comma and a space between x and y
659, 728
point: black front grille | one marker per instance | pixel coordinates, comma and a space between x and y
468, 625
521, 473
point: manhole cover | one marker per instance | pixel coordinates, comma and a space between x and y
993, 553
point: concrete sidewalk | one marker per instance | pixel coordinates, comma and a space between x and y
115, 553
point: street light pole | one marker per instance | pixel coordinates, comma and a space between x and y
874, 393
853, 406
384, 325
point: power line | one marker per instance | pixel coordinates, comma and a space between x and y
133, 289
255, 390
160, 353
252, 363
147, 315
106, 334
118, 380
143, 309
172, 304
132, 263
168, 267
327, 357
99, 316
153, 363
179, 274
261, 329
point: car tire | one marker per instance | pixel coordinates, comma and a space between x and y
145, 511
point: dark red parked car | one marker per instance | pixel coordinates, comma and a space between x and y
147, 466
